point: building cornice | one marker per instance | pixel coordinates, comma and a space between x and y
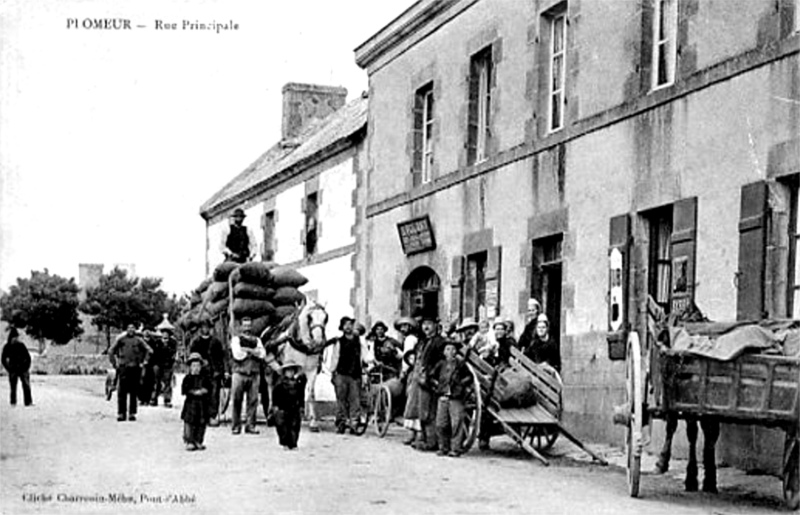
718, 73
413, 25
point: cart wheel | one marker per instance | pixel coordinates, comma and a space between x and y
382, 414
633, 390
791, 470
543, 437
473, 410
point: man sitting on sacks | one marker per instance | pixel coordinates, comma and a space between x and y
238, 242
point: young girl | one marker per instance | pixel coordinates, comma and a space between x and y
195, 415
288, 400
407, 328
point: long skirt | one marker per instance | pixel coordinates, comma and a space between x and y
287, 425
194, 433
411, 412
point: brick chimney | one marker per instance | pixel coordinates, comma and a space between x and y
304, 103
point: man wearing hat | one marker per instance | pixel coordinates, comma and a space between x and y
163, 365
238, 242
211, 349
288, 399
128, 355
248, 353
348, 356
431, 351
466, 330
387, 350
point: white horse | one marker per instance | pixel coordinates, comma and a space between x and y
302, 343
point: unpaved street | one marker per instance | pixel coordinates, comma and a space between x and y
68, 454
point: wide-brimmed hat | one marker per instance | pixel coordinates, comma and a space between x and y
379, 324
238, 213
345, 319
468, 323
405, 321
500, 321
195, 356
429, 315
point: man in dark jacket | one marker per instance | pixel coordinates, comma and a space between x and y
211, 350
128, 355
237, 241
431, 351
163, 367
17, 362
347, 368
451, 380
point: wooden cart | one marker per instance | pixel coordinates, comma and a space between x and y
534, 428
754, 389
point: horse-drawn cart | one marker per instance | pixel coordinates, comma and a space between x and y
536, 427
753, 389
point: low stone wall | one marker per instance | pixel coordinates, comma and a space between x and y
69, 364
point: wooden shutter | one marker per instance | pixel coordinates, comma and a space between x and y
493, 268
472, 112
683, 253
418, 138
752, 251
265, 237
456, 287
619, 247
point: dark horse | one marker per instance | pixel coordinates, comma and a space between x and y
710, 426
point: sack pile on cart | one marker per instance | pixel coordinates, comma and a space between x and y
265, 292
517, 391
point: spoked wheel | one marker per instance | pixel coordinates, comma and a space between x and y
382, 412
473, 409
543, 437
791, 470
634, 402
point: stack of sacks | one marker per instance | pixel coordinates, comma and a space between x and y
215, 298
266, 293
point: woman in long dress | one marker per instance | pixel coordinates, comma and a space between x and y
407, 327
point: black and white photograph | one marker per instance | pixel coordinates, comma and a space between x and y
400, 257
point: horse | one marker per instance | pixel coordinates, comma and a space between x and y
710, 426
658, 328
302, 343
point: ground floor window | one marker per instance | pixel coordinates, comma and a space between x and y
475, 286
546, 278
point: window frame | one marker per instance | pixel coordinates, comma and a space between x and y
793, 272
428, 110
481, 70
475, 285
268, 231
554, 54
668, 42
311, 214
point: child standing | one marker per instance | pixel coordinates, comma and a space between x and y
195, 414
288, 400
451, 379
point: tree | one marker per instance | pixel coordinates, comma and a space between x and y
119, 300
45, 306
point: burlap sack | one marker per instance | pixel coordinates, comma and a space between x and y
255, 272
282, 312
223, 270
518, 390
285, 276
195, 299
217, 307
252, 291
252, 308
204, 285
217, 291
287, 296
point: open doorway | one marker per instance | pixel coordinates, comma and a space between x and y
421, 292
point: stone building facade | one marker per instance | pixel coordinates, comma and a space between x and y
512, 145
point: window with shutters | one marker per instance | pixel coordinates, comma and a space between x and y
659, 284
665, 34
423, 135
480, 104
312, 223
474, 301
268, 253
557, 23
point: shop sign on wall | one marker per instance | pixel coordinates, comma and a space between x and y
416, 235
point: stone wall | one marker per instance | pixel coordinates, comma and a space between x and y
68, 364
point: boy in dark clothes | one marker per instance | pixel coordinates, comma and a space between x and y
288, 400
450, 378
197, 389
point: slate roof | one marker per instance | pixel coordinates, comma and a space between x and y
320, 135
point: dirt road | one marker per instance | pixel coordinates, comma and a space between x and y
68, 454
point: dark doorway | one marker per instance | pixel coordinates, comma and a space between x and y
546, 280
421, 292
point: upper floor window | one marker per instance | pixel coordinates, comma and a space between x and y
480, 103
665, 25
423, 135
557, 53
312, 223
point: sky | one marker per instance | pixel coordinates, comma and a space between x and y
110, 140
